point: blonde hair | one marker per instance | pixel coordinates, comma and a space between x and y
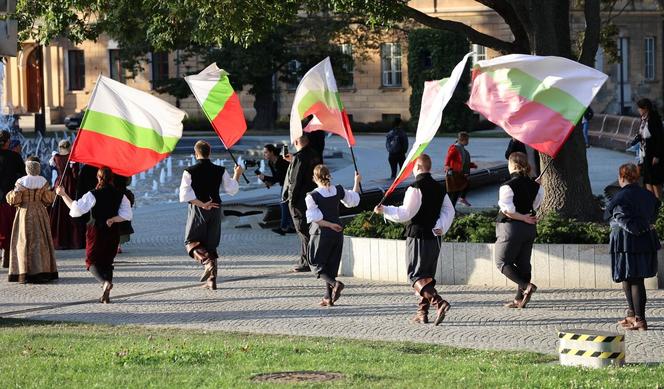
322, 174
33, 166
520, 163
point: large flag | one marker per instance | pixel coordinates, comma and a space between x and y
220, 103
434, 99
318, 95
537, 100
125, 129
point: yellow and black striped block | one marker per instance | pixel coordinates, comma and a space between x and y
591, 348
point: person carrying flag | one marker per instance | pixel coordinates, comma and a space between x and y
429, 213
200, 188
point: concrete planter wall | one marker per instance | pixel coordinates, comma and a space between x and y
566, 266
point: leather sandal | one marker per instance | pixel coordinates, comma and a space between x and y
336, 291
106, 295
527, 294
512, 304
639, 325
326, 303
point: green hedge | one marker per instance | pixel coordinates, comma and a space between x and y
481, 228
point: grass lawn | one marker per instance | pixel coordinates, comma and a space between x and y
50, 355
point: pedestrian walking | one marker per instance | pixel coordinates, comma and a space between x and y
518, 200
12, 168
429, 213
651, 140
299, 181
585, 124
108, 207
200, 187
327, 239
633, 243
457, 169
396, 143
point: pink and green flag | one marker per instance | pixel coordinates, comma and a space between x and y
317, 95
435, 97
220, 103
537, 100
125, 129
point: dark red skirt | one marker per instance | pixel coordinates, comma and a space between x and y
7, 214
68, 233
101, 245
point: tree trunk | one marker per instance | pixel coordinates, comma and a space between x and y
566, 183
266, 110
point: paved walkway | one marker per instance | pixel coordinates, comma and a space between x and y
156, 285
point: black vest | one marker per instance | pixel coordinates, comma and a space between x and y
206, 180
107, 204
525, 190
433, 194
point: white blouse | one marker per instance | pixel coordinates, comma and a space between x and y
187, 194
412, 201
506, 199
83, 205
351, 199
31, 182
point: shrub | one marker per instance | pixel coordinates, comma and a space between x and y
481, 228
659, 223
365, 226
196, 123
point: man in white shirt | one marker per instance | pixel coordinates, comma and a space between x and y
429, 213
200, 188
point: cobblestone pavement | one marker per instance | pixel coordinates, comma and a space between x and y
156, 285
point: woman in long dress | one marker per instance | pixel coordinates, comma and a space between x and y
651, 136
32, 255
633, 243
68, 234
108, 207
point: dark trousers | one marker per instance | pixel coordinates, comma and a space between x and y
455, 196
396, 162
514, 246
302, 228
203, 226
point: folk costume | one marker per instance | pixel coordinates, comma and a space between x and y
12, 168
325, 244
125, 228
514, 244
67, 233
101, 241
203, 181
32, 255
425, 207
633, 245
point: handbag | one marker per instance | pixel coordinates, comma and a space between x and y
455, 181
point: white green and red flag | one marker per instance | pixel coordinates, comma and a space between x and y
125, 129
219, 102
318, 95
435, 97
537, 100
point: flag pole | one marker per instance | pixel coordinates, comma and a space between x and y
235, 161
352, 154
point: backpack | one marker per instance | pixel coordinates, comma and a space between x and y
393, 143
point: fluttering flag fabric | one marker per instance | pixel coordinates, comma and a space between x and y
317, 95
435, 97
537, 100
219, 102
125, 129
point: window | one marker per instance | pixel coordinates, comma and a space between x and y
117, 72
649, 51
479, 53
347, 80
76, 69
390, 54
159, 67
294, 76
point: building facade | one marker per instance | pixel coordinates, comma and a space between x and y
379, 90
